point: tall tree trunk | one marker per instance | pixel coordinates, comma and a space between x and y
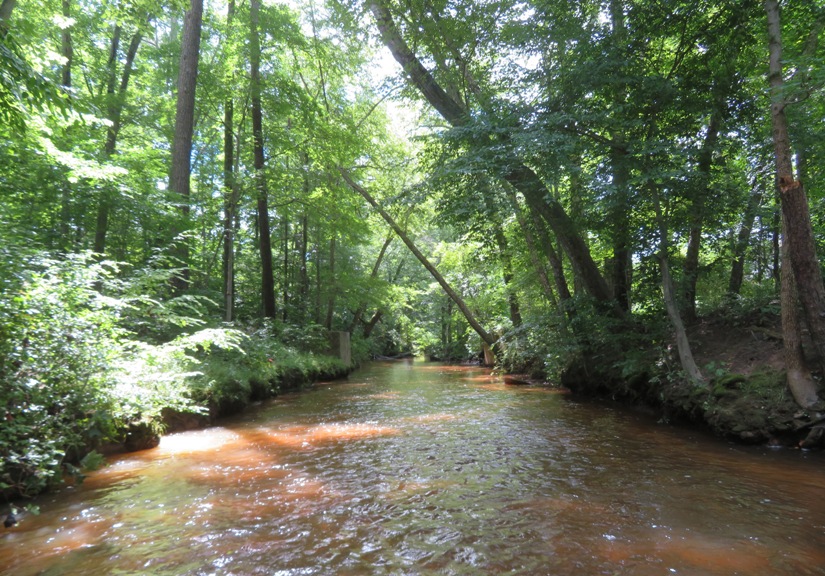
697, 214
66, 80
520, 176
265, 240
737, 271
230, 195
506, 262
331, 284
621, 263
797, 219
181, 168
285, 284
486, 337
303, 273
66, 49
114, 110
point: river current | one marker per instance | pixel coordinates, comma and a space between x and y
412, 468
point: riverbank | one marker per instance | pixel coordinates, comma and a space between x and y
746, 398
237, 396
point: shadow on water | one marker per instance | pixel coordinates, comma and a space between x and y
412, 468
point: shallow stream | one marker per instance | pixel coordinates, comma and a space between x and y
416, 468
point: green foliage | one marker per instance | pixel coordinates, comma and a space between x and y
71, 376
254, 367
58, 346
22, 89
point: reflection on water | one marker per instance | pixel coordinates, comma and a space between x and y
413, 468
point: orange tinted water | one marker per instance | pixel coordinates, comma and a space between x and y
412, 468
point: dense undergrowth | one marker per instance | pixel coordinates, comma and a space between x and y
91, 354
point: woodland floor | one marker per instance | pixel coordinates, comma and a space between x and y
747, 399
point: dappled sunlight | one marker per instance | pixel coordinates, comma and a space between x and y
438, 417
242, 468
687, 551
485, 376
393, 395
444, 368
208, 439
307, 437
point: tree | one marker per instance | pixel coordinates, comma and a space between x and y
180, 172
486, 337
264, 238
797, 228
115, 101
520, 176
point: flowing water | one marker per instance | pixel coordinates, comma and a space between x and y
413, 468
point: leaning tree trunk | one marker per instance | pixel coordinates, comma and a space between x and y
686, 359
797, 220
520, 176
181, 168
265, 239
486, 337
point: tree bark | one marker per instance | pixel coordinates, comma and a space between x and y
800, 382
737, 271
265, 239
370, 326
553, 258
331, 284
66, 49
486, 337
686, 360
6, 8
794, 202
530, 240
507, 276
697, 214
621, 263
181, 168
66, 80
303, 273
230, 196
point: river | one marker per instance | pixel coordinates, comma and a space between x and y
413, 468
